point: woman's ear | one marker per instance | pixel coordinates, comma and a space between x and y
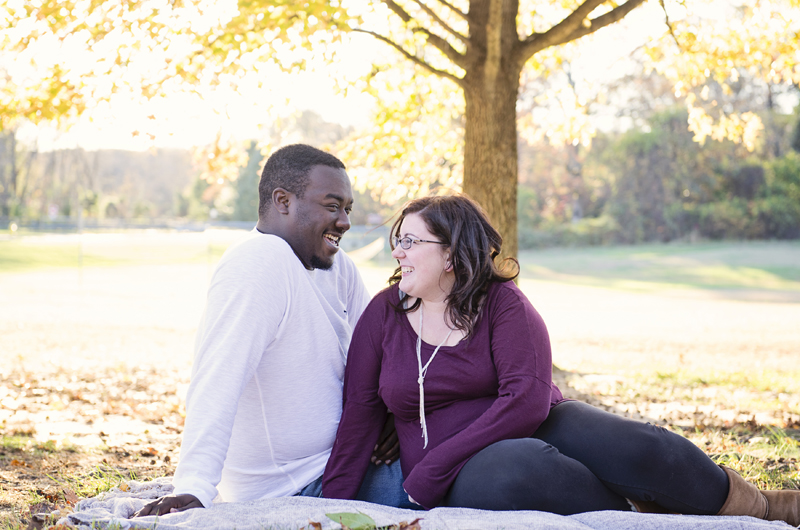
448, 263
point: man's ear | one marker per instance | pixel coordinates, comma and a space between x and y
280, 200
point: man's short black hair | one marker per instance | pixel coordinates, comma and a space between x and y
288, 168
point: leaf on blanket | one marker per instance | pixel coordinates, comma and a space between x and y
314, 525
353, 521
124, 486
413, 525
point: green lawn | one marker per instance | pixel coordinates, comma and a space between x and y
762, 265
768, 265
134, 248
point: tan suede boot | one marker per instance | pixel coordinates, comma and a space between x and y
746, 499
743, 497
784, 505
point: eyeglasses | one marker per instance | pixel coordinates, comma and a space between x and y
405, 242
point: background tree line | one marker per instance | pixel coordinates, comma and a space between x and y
657, 184
652, 182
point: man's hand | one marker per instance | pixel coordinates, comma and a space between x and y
387, 450
169, 504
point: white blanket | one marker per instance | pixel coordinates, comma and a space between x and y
112, 509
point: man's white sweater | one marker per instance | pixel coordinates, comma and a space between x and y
266, 392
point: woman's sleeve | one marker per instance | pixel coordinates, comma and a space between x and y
521, 354
363, 411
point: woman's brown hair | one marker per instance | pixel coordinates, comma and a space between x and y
464, 228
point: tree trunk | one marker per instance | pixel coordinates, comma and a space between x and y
490, 152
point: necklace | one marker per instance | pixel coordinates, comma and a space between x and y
421, 379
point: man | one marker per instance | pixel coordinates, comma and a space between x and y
266, 391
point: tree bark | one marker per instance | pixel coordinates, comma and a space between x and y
490, 155
491, 86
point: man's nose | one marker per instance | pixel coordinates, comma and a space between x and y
343, 221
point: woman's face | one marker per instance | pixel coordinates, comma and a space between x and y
424, 265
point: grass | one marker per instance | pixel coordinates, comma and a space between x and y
102, 478
92, 250
60, 479
25, 443
763, 265
769, 460
17, 255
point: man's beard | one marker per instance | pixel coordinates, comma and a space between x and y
319, 263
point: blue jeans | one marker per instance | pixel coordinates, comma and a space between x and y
382, 485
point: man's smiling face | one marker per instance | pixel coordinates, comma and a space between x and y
321, 217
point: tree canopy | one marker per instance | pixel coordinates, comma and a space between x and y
479, 50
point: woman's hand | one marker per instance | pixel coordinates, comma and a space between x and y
387, 450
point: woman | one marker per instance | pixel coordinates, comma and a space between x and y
456, 351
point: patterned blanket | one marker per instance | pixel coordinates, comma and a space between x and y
112, 509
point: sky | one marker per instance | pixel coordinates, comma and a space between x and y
187, 120
184, 121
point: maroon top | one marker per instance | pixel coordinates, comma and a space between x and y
494, 386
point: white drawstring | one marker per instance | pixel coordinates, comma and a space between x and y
421, 378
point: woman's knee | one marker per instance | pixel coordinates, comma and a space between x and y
660, 450
600, 439
529, 474
505, 475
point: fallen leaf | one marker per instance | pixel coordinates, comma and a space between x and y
413, 525
19, 463
124, 486
70, 496
315, 525
353, 521
50, 495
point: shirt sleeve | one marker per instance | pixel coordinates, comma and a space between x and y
363, 411
521, 353
243, 313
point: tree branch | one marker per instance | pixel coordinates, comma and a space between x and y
397, 10
441, 22
669, 25
411, 57
444, 47
435, 40
569, 24
453, 8
615, 15
573, 27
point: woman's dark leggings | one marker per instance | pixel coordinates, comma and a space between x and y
584, 459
